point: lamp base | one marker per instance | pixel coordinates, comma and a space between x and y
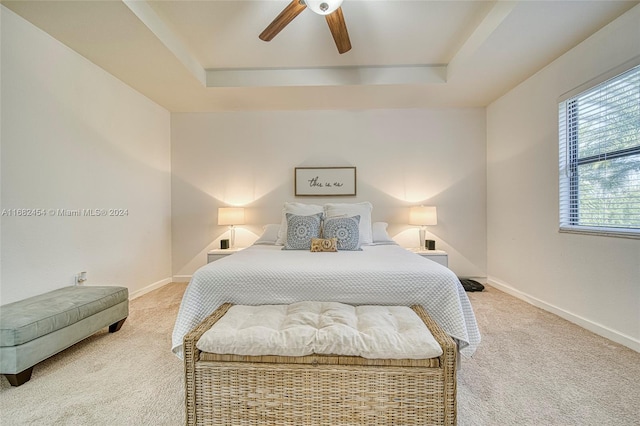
422, 234
232, 236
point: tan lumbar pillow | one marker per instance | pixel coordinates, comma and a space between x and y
324, 244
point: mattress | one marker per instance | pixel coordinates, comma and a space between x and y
377, 275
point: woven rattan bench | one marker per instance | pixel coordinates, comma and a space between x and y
318, 389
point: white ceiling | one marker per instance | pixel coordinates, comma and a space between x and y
206, 56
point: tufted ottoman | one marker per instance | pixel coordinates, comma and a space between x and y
318, 389
33, 329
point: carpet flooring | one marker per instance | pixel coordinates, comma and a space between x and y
532, 368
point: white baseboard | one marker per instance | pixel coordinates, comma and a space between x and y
181, 278
149, 288
599, 329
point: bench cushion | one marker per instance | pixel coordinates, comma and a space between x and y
304, 328
29, 319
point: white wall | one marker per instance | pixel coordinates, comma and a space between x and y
591, 280
403, 158
75, 137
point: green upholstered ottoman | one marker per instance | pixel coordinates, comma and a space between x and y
36, 328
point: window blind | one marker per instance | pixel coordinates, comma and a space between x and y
599, 141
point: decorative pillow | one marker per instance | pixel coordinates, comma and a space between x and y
324, 244
300, 231
352, 209
299, 209
345, 229
380, 235
269, 235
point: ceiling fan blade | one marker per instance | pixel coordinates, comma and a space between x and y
287, 15
339, 30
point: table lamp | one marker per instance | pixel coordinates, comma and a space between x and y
231, 216
423, 216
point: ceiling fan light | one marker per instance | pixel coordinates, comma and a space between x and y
323, 7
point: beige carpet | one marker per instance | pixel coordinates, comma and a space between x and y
532, 368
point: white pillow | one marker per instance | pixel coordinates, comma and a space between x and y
354, 209
380, 235
298, 209
269, 236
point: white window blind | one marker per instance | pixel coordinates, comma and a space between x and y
599, 133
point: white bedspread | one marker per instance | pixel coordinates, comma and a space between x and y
377, 275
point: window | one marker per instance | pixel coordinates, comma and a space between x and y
600, 157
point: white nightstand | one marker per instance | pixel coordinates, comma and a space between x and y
218, 254
439, 256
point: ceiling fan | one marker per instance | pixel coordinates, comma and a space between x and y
329, 8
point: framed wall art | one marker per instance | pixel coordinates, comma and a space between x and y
324, 181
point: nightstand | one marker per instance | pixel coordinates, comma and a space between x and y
218, 254
438, 256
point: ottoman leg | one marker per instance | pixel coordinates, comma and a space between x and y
116, 326
19, 378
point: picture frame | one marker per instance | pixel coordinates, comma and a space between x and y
324, 181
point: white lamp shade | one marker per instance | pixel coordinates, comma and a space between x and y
230, 216
423, 215
323, 7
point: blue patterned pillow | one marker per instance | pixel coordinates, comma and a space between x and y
345, 229
300, 231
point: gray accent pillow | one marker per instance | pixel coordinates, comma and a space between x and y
300, 231
345, 229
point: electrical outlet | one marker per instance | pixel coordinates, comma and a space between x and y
81, 277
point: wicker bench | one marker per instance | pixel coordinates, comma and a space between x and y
318, 389
33, 329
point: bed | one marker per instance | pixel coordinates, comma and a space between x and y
373, 274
